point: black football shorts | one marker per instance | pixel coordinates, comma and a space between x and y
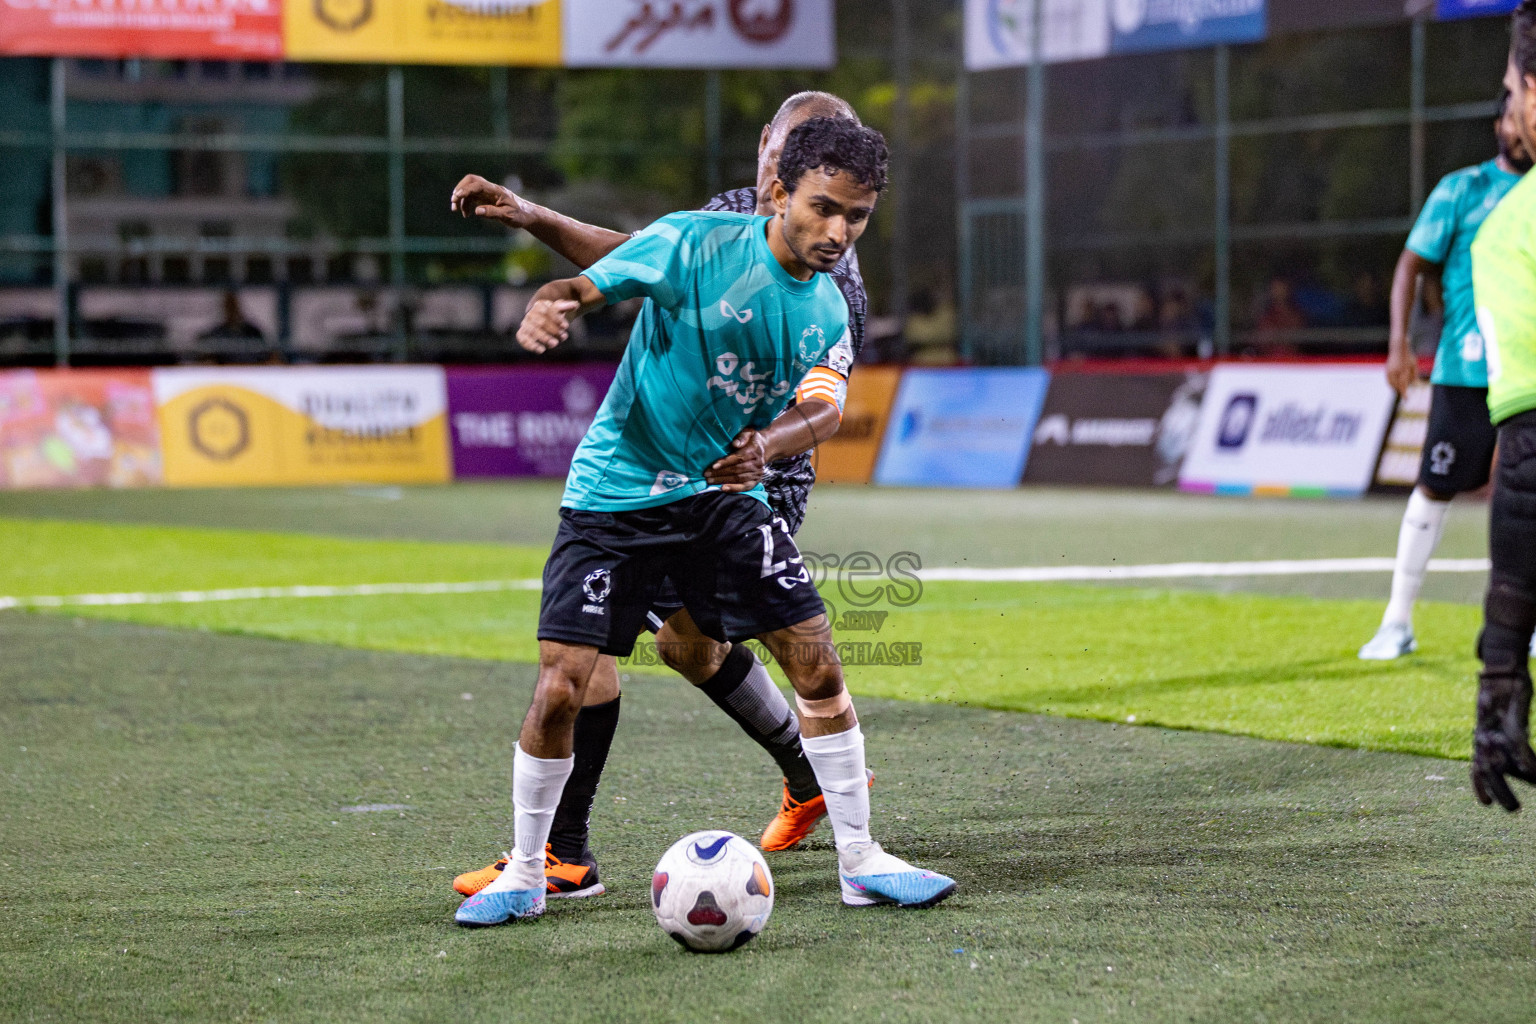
733, 563
1458, 441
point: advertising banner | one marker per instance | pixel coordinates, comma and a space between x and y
1144, 25
1000, 33
849, 455
522, 421
1449, 10
524, 32
1298, 430
78, 428
223, 426
1399, 465
699, 33
227, 29
1118, 429
961, 427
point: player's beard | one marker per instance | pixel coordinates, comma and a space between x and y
1516, 157
812, 256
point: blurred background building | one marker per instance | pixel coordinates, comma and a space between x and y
1242, 185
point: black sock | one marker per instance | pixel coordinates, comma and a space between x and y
594, 735
743, 690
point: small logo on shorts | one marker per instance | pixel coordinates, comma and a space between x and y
596, 586
1442, 457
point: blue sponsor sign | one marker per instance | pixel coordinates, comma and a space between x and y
1142, 25
961, 427
1449, 10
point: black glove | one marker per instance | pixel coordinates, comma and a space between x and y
1501, 743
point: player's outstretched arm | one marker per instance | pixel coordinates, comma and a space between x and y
581, 243
1402, 364
797, 429
547, 321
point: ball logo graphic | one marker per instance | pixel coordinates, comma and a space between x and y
761, 21
219, 429
707, 851
597, 585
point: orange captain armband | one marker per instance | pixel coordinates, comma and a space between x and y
826, 385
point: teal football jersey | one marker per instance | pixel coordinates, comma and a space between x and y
725, 337
1443, 234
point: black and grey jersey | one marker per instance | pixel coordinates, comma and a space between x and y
789, 481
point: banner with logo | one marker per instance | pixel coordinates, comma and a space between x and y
214, 29
524, 32
1398, 467
522, 421
1289, 430
78, 428
1117, 429
699, 33
1000, 33
961, 427
223, 426
848, 456
1448, 10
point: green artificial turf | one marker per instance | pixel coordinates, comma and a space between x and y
175, 845
1260, 665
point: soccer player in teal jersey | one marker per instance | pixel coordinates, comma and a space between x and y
1459, 441
738, 311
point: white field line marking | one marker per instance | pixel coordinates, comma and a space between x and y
1018, 574
259, 593
1192, 570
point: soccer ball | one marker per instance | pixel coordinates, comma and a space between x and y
712, 892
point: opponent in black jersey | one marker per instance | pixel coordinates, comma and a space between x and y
730, 675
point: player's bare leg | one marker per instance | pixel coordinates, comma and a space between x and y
739, 684
570, 869
540, 767
834, 745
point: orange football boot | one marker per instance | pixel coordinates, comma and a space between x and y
795, 820
563, 881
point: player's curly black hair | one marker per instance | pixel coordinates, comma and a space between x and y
835, 144
1522, 33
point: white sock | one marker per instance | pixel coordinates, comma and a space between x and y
1423, 523
838, 761
537, 783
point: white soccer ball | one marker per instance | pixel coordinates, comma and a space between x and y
712, 892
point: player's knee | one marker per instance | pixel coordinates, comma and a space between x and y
1434, 495
694, 656
820, 680
560, 691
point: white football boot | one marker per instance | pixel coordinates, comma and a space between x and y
1392, 641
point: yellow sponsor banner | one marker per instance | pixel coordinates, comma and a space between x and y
302, 425
849, 456
423, 31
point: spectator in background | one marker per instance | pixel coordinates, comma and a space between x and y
235, 339
1280, 315
1178, 323
1367, 306
1144, 311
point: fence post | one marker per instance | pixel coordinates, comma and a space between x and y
963, 290
712, 144
1222, 314
56, 110
1034, 195
1416, 139
397, 205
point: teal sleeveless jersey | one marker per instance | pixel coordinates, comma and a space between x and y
1443, 234
725, 337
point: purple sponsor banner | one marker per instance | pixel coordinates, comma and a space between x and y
521, 421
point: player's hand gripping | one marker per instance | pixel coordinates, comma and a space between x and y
546, 323
1501, 743
1402, 370
744, 467
474, 196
